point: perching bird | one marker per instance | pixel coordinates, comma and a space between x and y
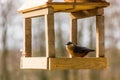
77, 51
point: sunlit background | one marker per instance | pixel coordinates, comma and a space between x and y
11, 41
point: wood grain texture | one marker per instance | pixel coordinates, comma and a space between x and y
77, 63
50, 35
62, 63
83, 0
61, 6
38, 13
73, 30
27, 43
100, 49
34, 63
87, 13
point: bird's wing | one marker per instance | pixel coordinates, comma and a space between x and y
78, 49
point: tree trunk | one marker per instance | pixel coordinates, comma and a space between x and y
5, 72
4, 17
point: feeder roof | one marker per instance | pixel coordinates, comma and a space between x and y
31, 5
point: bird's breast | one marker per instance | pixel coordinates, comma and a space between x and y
70, 50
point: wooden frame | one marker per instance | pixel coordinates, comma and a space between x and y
100, 36
27, 47
50, 62
62, 63
61, 6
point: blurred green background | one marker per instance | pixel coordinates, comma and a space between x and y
11, 41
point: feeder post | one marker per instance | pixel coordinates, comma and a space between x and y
49, 33
73, 29
27, 43
100, 49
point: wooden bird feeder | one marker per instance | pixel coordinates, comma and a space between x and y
78, 9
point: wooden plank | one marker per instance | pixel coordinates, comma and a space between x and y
87, 13
50, 35
33, 63
61, 6
100, 49
37, 13
100, 3
83, 0
73, 30
27, 43
77, 63
78, 6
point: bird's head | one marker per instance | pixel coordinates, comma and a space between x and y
69, 44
